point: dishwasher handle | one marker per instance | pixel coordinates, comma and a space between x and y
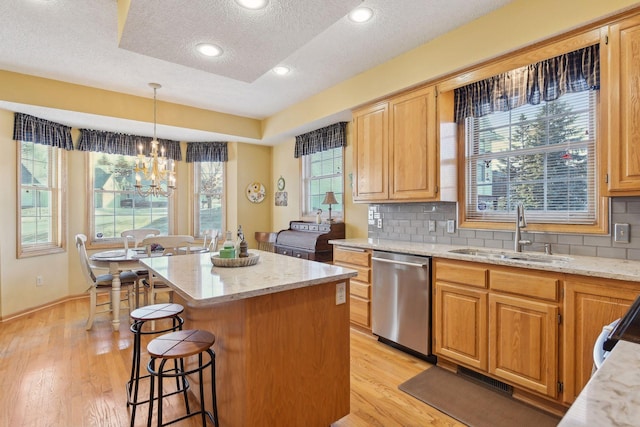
390, 261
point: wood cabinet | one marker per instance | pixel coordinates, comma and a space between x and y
589, 304
500, 321
396, 149
360, 286
524, 328
371, 153
460, 313
621, 92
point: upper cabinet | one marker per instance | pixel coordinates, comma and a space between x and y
396, 156
622, 79
371, 153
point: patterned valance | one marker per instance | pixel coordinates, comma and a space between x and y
322, 139
40, 131
207, 152
127, 145
543, 81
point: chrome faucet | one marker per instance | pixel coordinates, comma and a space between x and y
521, 222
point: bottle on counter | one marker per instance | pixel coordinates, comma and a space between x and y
228, 247
242, 247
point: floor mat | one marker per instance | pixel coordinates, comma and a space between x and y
472, 403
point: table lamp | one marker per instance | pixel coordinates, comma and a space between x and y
330, 199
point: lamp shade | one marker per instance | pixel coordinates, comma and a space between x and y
329, 199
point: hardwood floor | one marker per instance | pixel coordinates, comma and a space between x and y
54, 373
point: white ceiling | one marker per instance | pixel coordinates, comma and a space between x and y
77, 41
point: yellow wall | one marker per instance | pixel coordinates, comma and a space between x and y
519, 23
288, 167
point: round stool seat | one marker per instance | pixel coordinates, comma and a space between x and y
177, 346
140, 316
156, 312
181, 344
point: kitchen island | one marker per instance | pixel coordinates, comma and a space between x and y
282, 335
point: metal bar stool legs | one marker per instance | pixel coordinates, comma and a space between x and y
178, 345
141, 316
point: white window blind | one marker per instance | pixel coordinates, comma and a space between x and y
543, 156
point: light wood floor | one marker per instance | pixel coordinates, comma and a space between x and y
54, 373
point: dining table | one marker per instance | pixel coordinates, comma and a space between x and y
117, 261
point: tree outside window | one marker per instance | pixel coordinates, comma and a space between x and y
116, 204
540, 155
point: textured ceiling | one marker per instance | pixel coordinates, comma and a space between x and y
77, 41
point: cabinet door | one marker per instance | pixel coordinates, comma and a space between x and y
413, 158
370, 154
623, 80
460, 324
588, 307
523, 343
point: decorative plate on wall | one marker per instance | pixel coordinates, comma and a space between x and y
256, 192
281, 184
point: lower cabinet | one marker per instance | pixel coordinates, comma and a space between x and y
460, 313
589, 305
360, 286
523, 343
500, 321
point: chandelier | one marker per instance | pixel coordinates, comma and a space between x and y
155, 167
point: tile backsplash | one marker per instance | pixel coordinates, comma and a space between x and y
411, 221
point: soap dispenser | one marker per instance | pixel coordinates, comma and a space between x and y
228, 247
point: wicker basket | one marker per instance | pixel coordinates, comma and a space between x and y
252, 259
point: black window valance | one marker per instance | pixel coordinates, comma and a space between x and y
127, 145
40, 131
543, 81
326, 138
215, 151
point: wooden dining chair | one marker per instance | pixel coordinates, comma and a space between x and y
137, 235
170, 246
266, 240
211, 239
101, 284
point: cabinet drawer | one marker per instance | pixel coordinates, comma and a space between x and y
360, 311
523, 283
362, 290
357, 257
364, 274
293, 253
463, 273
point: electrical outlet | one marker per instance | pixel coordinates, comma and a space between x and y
621, 233
451, 226
39, 281
341, 293
379, 222
432, 225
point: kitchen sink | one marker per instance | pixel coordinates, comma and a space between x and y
511, 256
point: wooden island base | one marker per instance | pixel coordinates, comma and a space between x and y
282, 359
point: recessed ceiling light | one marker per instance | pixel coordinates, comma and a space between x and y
253, 4
209, 49
281, 70
361, 14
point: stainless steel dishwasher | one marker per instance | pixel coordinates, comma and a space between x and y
401, 301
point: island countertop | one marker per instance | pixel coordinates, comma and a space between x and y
196, 279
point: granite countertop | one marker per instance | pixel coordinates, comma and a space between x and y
609, 268
612, 395
196, 279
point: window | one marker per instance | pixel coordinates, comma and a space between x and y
322, 172
530, 136
40, 221
540, 155
209, 197
116, 206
